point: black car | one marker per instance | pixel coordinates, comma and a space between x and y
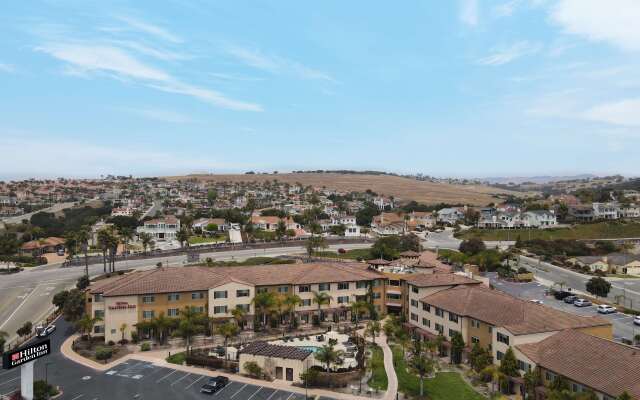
215, 384
562, 294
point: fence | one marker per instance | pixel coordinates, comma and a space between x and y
20, 340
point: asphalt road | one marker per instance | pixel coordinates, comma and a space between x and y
55, 208
442, 240
623, 326
129, 380
27, 295
628, 288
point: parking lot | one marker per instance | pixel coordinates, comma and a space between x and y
623, 326
143, 380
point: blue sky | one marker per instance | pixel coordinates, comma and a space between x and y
466, 88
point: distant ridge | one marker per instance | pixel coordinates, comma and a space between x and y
535, 179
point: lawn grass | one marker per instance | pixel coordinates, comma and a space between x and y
445, 385
201, 240
600, 230
355, 254
378, 378
177, 358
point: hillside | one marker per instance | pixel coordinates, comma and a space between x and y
405, 189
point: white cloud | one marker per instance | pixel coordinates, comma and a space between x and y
276, 65
150, 29
150, 51
7, 68
611, 21
85, 59
506, 9
624, 112
162, 115
469, 12
504, 55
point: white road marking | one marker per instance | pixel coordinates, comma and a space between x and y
167, 375
111, 372
259, 389
193, 383
10, 380
18, 307
289, 396
271, 395
77, 397
240, 390
179, 379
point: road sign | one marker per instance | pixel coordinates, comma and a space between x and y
23, 355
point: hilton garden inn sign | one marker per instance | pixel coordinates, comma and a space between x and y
17, 357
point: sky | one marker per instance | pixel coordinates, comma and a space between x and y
460, 88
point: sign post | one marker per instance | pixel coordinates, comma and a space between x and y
24, 358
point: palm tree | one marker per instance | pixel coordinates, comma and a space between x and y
227, 330
182, 236
264, 303
321, 299
103, 243
402, 337
146, 239
126, 235
123, 329
357, 309
191, 323
238, 314
328, 355
291, 301
82, 237
161, 325
374, 328
86, 324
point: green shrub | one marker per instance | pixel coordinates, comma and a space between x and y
146, 346
42, 390
103, 353
178, 358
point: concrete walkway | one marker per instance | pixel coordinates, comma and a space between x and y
392, 378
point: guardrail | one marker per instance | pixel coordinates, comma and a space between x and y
212, 248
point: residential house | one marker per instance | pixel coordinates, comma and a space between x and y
282, 363
165, 228
388, 223
539, 219
450, 216
581, 213
39, 247
202, 224
609, 210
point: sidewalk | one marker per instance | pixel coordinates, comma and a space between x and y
392, 386
156, 358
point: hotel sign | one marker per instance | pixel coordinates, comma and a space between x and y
17, 357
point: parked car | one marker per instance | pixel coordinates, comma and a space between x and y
606, 309
44, 332
570, 299
341, 251
582, 303
214, 384
562, 294
536, 301
636, 320
60, 252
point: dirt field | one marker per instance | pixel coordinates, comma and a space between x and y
404, 189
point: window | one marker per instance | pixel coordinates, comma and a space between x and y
306, 302
323, 287
376, 295
426, 307
98, 329
283, 289
415, 289
394, 282
197, 296
262, 290
173, 296
426, 322
304, 288
550, 376
474, 339
475, 323
414, 303
377, 282
220, 294
147, 314
502, 338
220, 309
343, 286
98, 298
148, 299
414, 317
343, 299
439, 312
393, 296
172, 312
499, 355
362, 285
98, 314
244, 307
523, 366
242, 293
439, 328
452, 332
453, 317
199, 309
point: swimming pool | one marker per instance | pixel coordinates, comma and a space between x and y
310, 348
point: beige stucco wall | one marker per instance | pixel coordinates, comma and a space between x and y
114, 318
232, 300
269, 364
514, 340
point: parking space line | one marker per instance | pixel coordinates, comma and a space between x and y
289, 396
179, 379
167, 375
77, 397
10, 380
192, 383
240, 390
259, 389
271, 395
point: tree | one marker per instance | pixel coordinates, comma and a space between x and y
161, 325
238, 315
227, 330
74, 305
83, 282
422, 366
60, 298
182, 236
374, 329
508, 367
357, 309
328, 355
191, 322
321, 299
314, 243
85, 325
387, 247
82, 237
123, 329
264, 303
281, 229
625, 396
291, 301
146, 239
253, 369
598, 286
472, 246
532, 379
479, 357
8, 244
402, 338
457, 346
3, 340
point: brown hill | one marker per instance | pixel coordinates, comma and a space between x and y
404, 189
